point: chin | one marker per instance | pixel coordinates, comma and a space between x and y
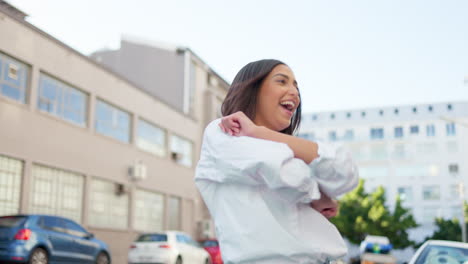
283, 126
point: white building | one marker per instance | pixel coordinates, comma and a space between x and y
416, 151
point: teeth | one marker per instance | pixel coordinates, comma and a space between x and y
289, 104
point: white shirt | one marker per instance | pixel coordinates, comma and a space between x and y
258, 195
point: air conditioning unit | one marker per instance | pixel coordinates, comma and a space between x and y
138, 171
206, 229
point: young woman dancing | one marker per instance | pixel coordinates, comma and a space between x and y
270, 193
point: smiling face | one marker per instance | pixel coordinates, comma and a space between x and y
278, 99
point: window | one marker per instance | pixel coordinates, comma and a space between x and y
396, 111
348, 135
13, 78
377, 133
452, 147
430, 213
373, 172
107, 209
378, 151
54, 223
56, 192
416, 171
430, 108
10, 185
151, 138
398, 132
348, 115
449, 107
453, 191
332, 136
415, 110
399, 151
430, 130
112, 122
181, 150
431, 193
450, 128
149, 211
332, 116
75, 229
381, 112
314, 117
414, 130
363, 114
453, 169
174, 213
405, 193
62, 100
152, 238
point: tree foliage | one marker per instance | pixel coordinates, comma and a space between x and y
362, 214
449, 229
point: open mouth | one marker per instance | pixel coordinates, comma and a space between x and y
288, 105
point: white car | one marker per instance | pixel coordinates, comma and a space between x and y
441, 252
170, 247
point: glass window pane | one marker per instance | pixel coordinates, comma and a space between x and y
107, 210
151, 138
13, 78
431, 192
112, 122
174, 213
181, 150
56, 192
149, 211
62, 100
10, 183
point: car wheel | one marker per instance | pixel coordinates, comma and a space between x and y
102, 258
39, 256
179, 260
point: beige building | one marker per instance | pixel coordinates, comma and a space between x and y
85, 142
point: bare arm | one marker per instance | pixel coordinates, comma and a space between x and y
238, 124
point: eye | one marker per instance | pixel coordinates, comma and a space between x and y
282, 81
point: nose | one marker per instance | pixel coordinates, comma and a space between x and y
294, 91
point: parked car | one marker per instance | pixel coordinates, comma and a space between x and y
441, 252
44, 239
375, 244
212, 247
170, 247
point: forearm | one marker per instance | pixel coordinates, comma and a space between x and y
303, 149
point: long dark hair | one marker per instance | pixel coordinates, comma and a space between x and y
243, 93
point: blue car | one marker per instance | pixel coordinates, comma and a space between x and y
44, 239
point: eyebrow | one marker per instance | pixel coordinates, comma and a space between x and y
287, 77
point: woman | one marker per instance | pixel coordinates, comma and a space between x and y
268, 191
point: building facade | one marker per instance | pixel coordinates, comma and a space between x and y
83, 141
419, 152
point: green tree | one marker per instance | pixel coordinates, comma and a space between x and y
361, 214
449, 229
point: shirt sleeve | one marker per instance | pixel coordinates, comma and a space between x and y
334, 170
252, 161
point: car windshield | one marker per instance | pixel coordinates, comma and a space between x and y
11, 221
210, 243
443, 254
152, 238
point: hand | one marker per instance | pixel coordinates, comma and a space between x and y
238, 124
326, 206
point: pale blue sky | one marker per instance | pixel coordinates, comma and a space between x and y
345, 53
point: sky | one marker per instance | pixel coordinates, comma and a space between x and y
345, 54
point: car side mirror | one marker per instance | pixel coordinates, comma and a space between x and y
90, 236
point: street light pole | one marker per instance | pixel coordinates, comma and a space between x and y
461, 192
